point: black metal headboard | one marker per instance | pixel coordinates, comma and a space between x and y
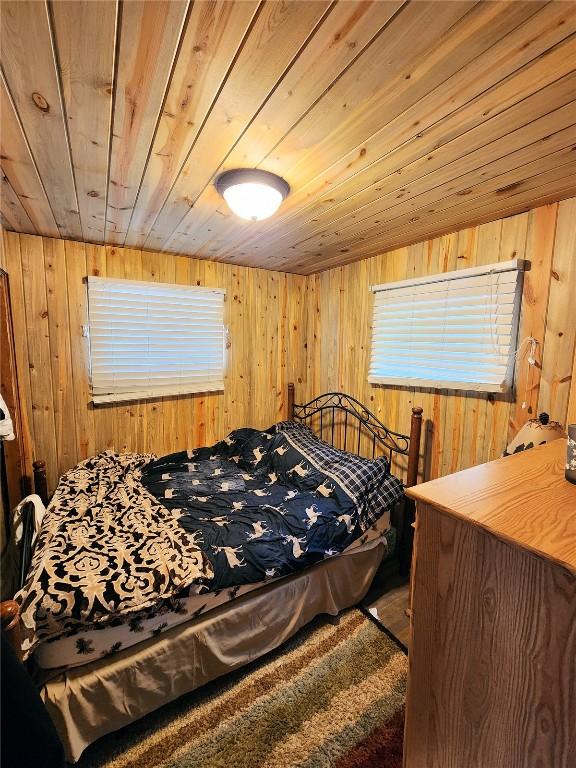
330, 406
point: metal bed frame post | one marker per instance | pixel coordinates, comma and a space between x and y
409, 505
290, 401
40, 481
414, 452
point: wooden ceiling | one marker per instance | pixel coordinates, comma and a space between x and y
392, 121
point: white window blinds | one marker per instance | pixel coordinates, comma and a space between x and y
154, 339
456, 330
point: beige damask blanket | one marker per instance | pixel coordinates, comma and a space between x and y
106, 548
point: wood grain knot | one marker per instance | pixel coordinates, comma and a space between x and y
40, 102
489, 601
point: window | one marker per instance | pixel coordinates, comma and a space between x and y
457, 330
154, 339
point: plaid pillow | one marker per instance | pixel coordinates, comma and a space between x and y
292, 426
367, 481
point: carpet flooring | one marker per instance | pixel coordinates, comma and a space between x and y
331, 697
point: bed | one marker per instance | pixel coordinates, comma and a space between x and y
307, 552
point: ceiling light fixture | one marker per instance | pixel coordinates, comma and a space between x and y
251, 193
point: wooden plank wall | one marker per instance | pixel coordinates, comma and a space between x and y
265, 316
462, 429
313, 330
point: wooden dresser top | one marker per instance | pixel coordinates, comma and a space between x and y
523, 499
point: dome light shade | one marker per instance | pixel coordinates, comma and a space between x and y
251, 193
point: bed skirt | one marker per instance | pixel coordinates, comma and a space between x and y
89, 701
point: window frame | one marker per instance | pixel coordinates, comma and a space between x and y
518, 265
151, 393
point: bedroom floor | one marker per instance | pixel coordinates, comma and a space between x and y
391, 608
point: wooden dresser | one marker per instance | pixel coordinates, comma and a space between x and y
492, 681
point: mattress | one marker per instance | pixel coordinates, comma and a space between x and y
87, 645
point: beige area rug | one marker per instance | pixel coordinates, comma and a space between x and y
331, 696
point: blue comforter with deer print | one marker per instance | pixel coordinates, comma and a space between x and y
265, 504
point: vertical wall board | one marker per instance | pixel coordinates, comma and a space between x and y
183, 404
571, 416
560, 337
13, 265
39, 345
75, 255
60, 353
541, 229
